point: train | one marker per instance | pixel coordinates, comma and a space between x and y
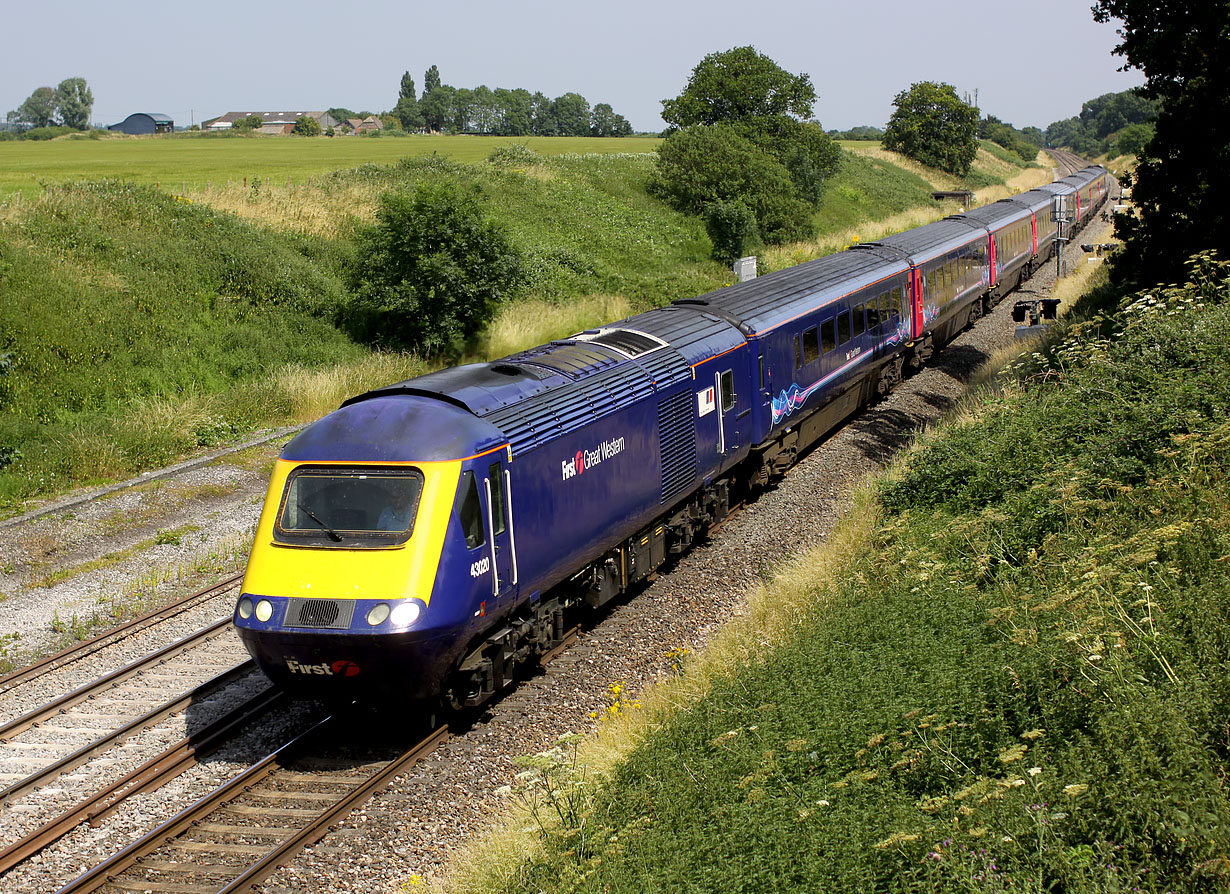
428, 538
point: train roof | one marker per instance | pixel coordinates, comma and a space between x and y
537, 395
998, 214
760, 305
921, 244
393, 427
1034, 199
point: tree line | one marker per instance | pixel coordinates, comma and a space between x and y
501, 111
68, 105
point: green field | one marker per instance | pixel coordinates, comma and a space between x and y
191, 162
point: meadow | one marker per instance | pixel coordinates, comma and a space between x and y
182, 162
142, 321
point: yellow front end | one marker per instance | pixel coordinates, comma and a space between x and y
337, 572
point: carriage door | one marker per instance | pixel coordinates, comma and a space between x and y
497, 484
728, 431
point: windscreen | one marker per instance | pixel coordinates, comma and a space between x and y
350, 508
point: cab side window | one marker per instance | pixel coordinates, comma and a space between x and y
497, 498
470, 512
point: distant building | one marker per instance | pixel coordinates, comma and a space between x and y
364, 125
271, 122
144, 122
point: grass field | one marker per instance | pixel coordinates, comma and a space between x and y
193, 162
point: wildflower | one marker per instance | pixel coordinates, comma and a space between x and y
1034, 771
1075, 790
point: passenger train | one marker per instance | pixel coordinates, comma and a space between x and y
428, 537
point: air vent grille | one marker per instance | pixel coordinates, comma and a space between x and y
677, 432
331, 613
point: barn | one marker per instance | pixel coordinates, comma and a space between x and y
144, 122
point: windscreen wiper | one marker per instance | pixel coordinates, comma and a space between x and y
333, 535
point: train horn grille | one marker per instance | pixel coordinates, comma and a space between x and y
334, 613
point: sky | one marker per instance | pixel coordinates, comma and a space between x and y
1031, 64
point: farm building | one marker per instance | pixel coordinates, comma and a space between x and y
144, 122
363, 125
271, 122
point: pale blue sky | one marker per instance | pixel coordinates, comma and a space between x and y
1032, 63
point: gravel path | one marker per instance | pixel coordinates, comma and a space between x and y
416, 824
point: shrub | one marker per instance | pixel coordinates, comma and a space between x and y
430, 274
513, 155
732, 228
701, 165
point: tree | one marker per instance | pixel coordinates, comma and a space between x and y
1133, 139
1182, 182
571, 115
602, 120
931, 125
407, 87
407, 109
306, 126
543, 116
249, 123
39, 109
739, 85
437, 107
74, 101
431, 272
431, 80
701, 165
516, 111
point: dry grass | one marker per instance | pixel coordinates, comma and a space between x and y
302, 207
801, 588
525, 324
311, 393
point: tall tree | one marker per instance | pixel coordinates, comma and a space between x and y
932, 125
407, 109
431, 80
739, 85
571, 114
74, 102
407, 87
1182, 182
39, 109
437, 107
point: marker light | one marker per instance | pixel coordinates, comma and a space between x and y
378, 614
406, 614
264, 610
245, 608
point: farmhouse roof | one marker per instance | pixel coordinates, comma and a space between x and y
288, 117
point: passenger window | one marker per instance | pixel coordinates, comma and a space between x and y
728, 391
471, 513
860, 325
896, 304
798, 352
843, 327
873, 312
886, 306
828, 339
497, 498
811, 346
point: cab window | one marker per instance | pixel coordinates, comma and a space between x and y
332, 506
497, 497
470, 511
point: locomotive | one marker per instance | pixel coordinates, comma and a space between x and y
428, 537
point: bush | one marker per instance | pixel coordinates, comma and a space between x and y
430, 274
702, 165
732, 228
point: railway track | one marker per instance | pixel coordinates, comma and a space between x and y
1069, 161
86, 648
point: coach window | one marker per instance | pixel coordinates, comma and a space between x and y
886, 307
843, 327
471, 514
828, 337
895, 307
811, 346
860, 325
873, 312
497, 498
728, 391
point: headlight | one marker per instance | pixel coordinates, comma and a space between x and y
378, 614
245, 608
406, 614
264, 610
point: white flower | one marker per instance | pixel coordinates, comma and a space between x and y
1034, 771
